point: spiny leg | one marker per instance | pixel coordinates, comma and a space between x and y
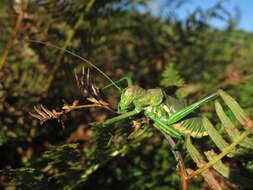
189, 109
167, 129
120, 117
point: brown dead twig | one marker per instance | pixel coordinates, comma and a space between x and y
88, 90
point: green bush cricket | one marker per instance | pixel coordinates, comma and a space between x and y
169, 114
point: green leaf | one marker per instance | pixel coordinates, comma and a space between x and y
230, 128
239, 113
171, 77
219, 166
198, 159
194, 153
214, 135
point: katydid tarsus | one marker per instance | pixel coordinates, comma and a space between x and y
169, 114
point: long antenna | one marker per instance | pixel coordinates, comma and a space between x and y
79, 57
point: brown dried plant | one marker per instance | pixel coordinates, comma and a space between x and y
88, 90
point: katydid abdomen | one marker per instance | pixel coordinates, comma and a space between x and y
191, 124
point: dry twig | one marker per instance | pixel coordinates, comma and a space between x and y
88, 90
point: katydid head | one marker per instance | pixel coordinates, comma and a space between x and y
128, 96
139, 98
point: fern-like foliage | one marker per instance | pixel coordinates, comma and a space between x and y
239, 144
51, 170
171, 77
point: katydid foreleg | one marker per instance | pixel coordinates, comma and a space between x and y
120, 117
126, 78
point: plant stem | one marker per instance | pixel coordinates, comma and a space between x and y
179, 158
13, 35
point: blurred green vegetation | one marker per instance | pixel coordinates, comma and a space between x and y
188, 58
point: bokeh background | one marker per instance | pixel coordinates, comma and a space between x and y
188, 48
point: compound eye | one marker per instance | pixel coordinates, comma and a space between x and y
128, 92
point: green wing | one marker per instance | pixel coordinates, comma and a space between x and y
191, 124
